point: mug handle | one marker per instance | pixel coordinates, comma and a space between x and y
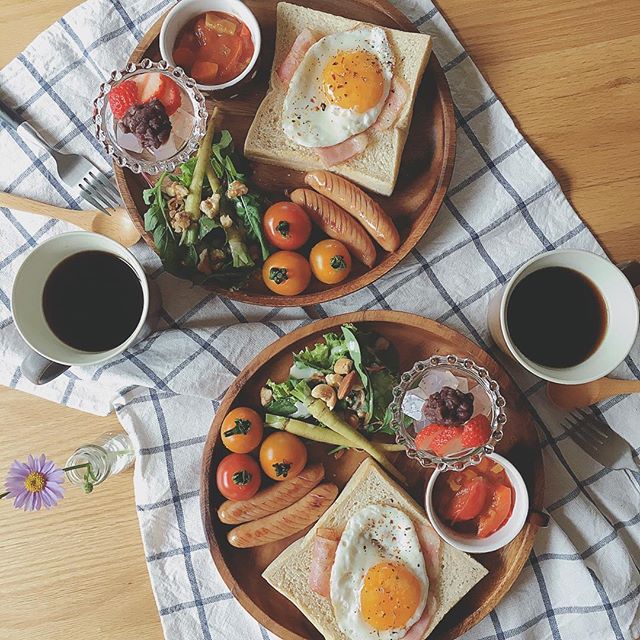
40, 370
631, 270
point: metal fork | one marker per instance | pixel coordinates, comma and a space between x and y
600, 441
78, 173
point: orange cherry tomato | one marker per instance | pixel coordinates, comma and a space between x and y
241, 430
286, 225
282, 456
469, 501
498, 511
286, 273
238, 476
330, 261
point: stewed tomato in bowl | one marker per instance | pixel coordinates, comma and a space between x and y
480, 508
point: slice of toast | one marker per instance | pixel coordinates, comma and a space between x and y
289, 572
376, 168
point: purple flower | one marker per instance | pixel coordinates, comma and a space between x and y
35, 484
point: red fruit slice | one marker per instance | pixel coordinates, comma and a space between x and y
476, 431
469, 501
151, 85
438, 438
498, 512
122, 97
170, 96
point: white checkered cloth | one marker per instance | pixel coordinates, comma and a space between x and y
503, 207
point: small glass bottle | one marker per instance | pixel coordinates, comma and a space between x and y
111, 453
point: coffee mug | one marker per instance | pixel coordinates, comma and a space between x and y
49, 356
621, 303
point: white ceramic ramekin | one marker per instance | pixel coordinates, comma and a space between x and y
186, 10
502, 536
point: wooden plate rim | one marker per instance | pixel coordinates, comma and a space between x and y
390, 260
399, 317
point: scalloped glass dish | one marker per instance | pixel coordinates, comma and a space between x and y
406, 428
188, 123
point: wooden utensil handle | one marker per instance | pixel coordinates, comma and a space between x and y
624, 386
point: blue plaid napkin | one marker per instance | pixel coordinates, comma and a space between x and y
503, 207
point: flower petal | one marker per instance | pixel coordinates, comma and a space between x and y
20, 499
37, 500
57, 475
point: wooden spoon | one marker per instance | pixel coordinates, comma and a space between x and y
117, 226
574, 396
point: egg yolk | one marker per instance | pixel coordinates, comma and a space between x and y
353, 80
390, 596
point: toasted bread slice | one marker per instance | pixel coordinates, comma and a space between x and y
289, 572
376, 168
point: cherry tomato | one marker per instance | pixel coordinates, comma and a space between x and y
330, 261
241, 430
469, 501
497, 513
282, 456
286, 273
238, 476
286, 225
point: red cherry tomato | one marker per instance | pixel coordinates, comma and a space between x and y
286, 225
469, 501
238, 476
498, 511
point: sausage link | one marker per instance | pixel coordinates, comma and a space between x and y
274, 498
356, 202
286, 522
337, 224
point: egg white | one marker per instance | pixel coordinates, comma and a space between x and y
374, 534
303, 119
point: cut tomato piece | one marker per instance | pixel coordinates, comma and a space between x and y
204, 72
498, 512
184, 57
469, 501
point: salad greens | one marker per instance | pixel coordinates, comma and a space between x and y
205, 220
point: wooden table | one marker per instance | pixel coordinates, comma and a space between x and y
569, 71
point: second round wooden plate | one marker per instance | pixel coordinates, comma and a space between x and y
427, 161
414, 338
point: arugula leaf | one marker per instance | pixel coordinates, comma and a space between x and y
382, 384
249, 210
206, 226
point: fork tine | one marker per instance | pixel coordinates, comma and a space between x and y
97, 192
603, 429
107, 196
106, 183
588, 431
582, 441
91, 200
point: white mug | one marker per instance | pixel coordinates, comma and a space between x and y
49, 356
622, 311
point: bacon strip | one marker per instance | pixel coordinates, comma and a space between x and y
398, 94
292, 60
343, 151
324, 553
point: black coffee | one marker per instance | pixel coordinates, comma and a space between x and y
92, 301
556, 317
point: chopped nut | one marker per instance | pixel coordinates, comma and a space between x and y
237, 189
179, 220
204, 266
334, 379
325, 393
176, 190
347, 384
226, 221
211, 206
216, 255
343, 366
266, 396
381, 344
316, 377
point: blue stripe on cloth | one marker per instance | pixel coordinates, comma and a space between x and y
608, 607
199, 603
177, 444
167, 501
177, 552
455, 62
76, 39
173, 485
496, 625
127, 19
17, 374
426, 17
546, 600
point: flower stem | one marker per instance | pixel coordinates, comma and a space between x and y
4, 495
89, 476
85, 465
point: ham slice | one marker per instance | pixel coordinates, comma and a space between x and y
398, 94
342, 151
292, 60
324, 553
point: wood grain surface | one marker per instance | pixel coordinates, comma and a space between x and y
569, 72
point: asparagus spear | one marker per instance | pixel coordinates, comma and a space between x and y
320, 434
319, 410
192, 203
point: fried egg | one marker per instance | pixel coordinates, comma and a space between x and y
339, 88
379, 582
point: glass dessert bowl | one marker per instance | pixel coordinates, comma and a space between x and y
448, 412
149, 117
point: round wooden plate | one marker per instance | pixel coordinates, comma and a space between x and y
414, 338
427, 162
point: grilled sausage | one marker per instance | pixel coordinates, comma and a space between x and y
356, 202
274, 498
337, 224
286, 522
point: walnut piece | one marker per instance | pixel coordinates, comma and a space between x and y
211, 206
237, 189
226, 221
204, 265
